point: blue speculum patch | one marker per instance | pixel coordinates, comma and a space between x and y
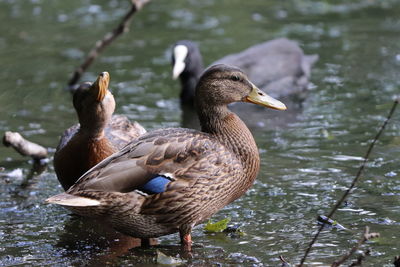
155, 185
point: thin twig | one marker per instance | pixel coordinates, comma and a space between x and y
364, 237
284, 262
106, 41
358, 175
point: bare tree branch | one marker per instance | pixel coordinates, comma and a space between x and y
106, 41
358, 175
23, 146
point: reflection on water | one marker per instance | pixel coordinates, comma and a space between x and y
91, 243
309, 154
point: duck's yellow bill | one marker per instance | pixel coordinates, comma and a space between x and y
101, 85
258, 97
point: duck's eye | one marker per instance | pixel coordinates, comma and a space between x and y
235, 78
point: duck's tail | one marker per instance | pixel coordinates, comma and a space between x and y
68, 200
98, 203
307, 62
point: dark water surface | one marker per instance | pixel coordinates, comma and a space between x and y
308, 158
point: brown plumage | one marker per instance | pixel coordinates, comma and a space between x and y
98, 135
207, 169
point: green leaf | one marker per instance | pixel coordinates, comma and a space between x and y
217, 227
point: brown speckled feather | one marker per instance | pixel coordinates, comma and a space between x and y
120, 131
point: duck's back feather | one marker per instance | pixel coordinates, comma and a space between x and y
180, 154
121, 131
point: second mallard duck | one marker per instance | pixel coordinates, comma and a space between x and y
170, 180
98, 134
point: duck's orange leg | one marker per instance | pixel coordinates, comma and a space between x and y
187, 242
186, 238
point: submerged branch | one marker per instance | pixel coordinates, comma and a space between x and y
23, 146
365, 236
358, 175
106, 41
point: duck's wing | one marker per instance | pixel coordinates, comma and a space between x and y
67, 135
181, 155
120, 131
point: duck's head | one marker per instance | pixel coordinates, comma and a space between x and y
94, 103
186, 59
221, 85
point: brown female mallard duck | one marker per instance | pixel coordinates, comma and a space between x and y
98, 134
170, 180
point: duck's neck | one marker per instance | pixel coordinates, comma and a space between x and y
92, 127
95, 144
92, 132
231, 131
